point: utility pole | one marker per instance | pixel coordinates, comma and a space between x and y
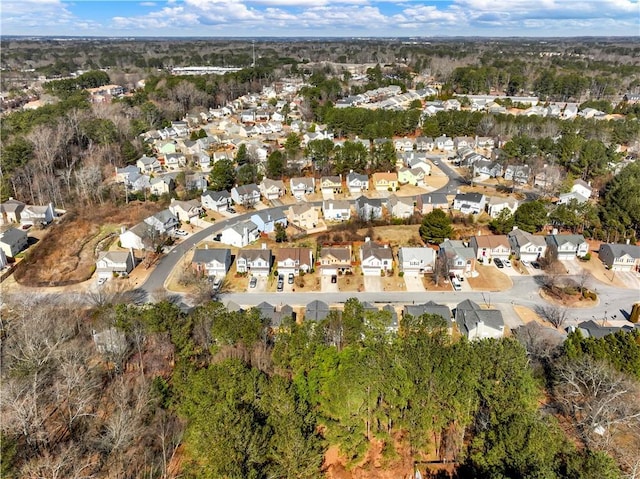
253, 49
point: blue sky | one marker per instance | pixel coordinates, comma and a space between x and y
317, 18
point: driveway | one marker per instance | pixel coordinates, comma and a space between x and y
572, 267
261, 285
630, 279
326, 286
373, 284
414, 283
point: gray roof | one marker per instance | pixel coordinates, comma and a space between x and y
270, 215
407, 253
336, 204
316, 311
11, 206
457, 248
371, 248
435, 198
253, 254
12, 236
356, 176
430, 307
619, 250
247, 189
521, 238
201, 256
469, 197
239, 227
363, 200
217, 195
341, 253
563, 239
164, 216
469, 314
591, 329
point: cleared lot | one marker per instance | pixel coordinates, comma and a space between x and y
414, 283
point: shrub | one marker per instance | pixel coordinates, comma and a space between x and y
586, 257
401, 274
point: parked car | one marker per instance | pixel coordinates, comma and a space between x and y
26, 227
290, 279
498, 262
280, 286
535, 265
101, 281
334, 278
216, 284
181, 233
231, 210
507, 263
253, 282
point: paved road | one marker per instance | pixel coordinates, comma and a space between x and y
613, 301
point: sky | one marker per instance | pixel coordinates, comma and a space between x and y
321, 18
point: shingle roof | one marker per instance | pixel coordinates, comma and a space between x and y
212, 254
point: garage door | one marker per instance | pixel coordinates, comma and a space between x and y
329, 271
566, 256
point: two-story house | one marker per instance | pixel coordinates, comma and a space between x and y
460, 258
216, 200
375, 258
427, 202
518, 173
330, 185
357, 183
115, 263
411, 176
266, 220
161, 185
164, 221
368, 209
247, 195
272, 189
490, 247
416, 261
149, 164
565, 247
620, 257
304, 215
336, 210
444, 143
37, 214
12, 241
425, 143
294, 260
525, 246
335, 260
240, 234
400, 207
256, 262
384, 181
496, 204
468, 203
186, 211
301, 186
175, 161
212, 262
476, 323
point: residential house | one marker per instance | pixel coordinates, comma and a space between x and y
460, 258
140, 237
620, 257
421, 165
175, 161
164, 221
335, 260
12, 241
274, 315
485, 142
161, 185
400, 207
216, 200
488, 168
428, 202
496, 205
468, 203
212, 262
316, 311
460, 142
490, 247
256, 262
294, 260
550, 177
357, 183
517, 173
444, 143
580, 191
302, 186
304, 215
412, 176
149, 164
186, 211
431, 308
566, 246
593, 329
3, 259
404, 144
10, 211
203, 160
196, 182
425, 143
115, 263
368, 209
415, 261
165, 147
384, 181
37, 214
272, 189
476, 323
527, 247
247, 195
123, 174
331, 185
266, 220
375, 258
139, 183
240, 234
336, 210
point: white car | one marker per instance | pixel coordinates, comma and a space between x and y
181, 233
101, 281
507, 263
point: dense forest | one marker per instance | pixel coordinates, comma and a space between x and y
213, 393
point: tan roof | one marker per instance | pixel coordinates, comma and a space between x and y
389, 176
302, 255
341, 253
492, 241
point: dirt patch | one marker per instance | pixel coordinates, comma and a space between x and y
568, 300
393, 283
67, 254
427, 281
528, 315
490, 279
602, 274
395, 235
351, 283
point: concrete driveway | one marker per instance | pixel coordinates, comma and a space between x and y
572, 267
326, 286
630, 279
414, 283
373, 284
261, 285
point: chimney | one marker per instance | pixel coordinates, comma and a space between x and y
206, 246
122, 229
627, 241
367, 239
264, 245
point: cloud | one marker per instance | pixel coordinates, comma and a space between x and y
42, 17
148, 4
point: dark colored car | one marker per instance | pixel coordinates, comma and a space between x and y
280, 286
334, 278
499, 263
535, 265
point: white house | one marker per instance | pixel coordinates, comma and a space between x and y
12, 241
257, 262
164, 221
112, 263
566, 247
216, 200
496, 204
469, 203
186, 211
294, 260
302, 186
477, 323
336, 210
491, 246
400, 207
240, 234
357, 183
444, 143
149, 164
527, 247
272, 189
212, 261
620, 257
415, 261
246, 194
36, 214
580, 191
375, 258
139, 237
